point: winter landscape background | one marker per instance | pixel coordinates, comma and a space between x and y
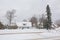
29, 19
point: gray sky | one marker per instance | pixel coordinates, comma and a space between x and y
27, 8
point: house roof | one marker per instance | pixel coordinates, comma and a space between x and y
24, 24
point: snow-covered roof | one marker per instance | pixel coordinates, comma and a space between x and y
24, 24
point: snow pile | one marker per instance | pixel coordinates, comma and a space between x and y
57, 28
22, 31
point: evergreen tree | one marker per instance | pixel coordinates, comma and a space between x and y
49, 23
1, 26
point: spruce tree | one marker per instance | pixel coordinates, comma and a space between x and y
49, 23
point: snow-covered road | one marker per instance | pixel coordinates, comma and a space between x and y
29, 34
28, 37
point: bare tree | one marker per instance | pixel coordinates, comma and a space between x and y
34, 21
10, 15
42, 21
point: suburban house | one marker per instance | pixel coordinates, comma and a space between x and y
22, 25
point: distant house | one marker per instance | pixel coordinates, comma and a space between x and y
22, 25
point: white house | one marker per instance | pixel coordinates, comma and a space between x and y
24, 25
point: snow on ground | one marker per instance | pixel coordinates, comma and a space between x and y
30, 34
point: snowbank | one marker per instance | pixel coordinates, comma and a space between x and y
20, 31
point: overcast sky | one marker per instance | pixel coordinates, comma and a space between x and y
27, 8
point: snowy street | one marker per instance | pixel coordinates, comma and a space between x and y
26, 37
29, 34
